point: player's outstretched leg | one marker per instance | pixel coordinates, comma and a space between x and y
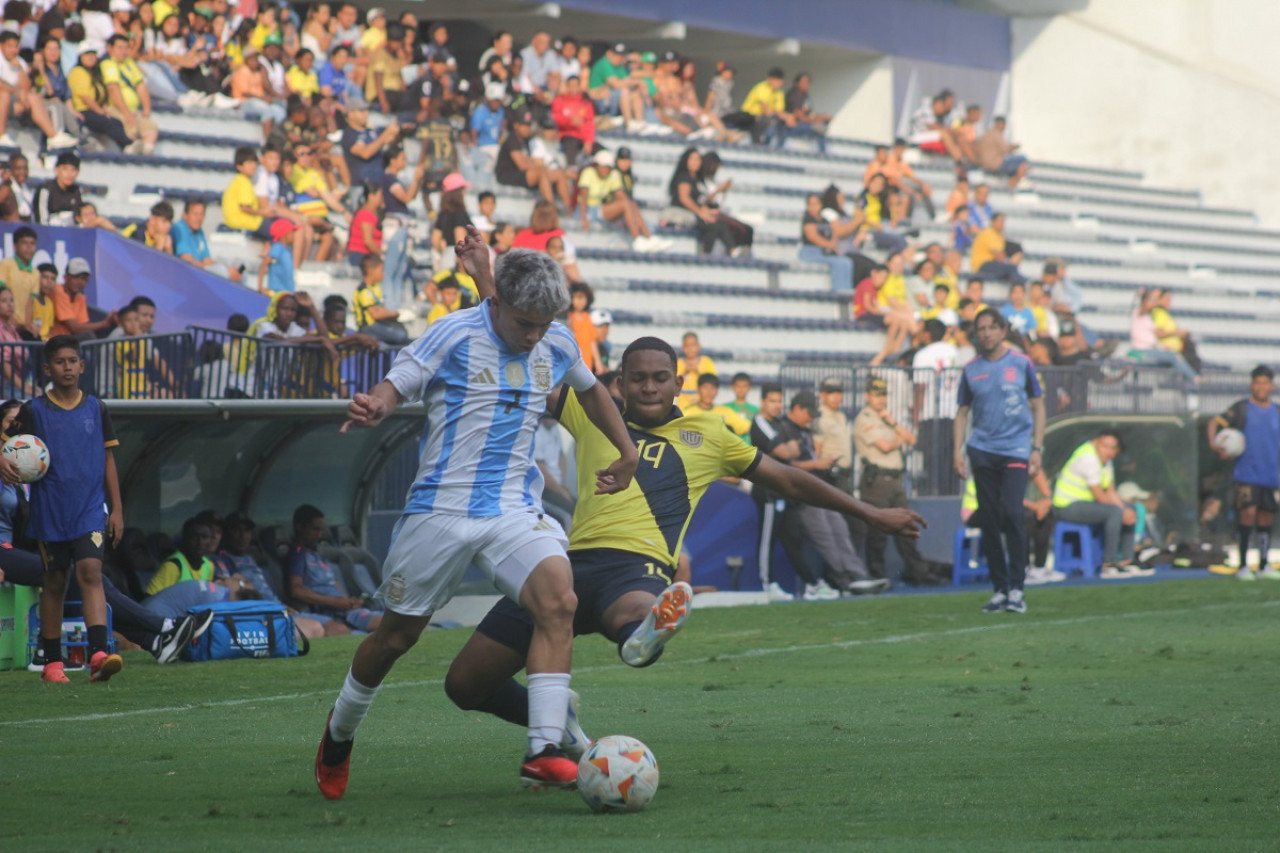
548, 596
665, 619
394, 636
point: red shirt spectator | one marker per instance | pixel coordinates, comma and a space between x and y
575, 115
357, 244
530, 239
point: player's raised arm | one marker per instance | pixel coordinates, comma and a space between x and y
794, 484
602, 411
368, 410
473, 251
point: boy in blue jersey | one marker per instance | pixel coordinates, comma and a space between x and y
1256, 475
67, 517
484, 375
1001, 391
239, 566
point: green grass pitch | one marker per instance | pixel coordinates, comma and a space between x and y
1130, 717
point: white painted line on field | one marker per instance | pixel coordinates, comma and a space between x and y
1007, 623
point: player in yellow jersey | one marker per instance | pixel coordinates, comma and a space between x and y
623, 546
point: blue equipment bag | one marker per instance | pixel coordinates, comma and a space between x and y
247, 629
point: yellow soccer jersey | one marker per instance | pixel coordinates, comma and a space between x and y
678, 461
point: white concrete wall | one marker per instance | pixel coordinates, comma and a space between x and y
1186, 90
866, 90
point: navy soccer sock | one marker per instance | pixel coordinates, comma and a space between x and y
510, 702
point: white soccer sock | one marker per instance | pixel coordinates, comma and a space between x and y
548, 708
349, 710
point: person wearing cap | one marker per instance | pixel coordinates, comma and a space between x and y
58, 200
705, 401
155, 232
376, 32
19, 98
825, 528
71, 309
241, 569
1085, 493
451, 221
362, 146
275, 271
487, 122
612, 88
575, 118
767, 105
603, 320
833, 435
248, 85
128, 96
880, 439
603, 199
516, 168
1001, 391
1255, 475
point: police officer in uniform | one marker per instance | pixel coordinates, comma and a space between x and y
879, 440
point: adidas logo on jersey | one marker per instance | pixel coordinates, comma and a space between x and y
484, 377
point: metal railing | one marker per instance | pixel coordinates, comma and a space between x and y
926, 400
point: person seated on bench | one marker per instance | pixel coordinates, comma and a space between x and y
1086, 494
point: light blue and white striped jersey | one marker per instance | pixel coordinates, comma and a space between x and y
483, 401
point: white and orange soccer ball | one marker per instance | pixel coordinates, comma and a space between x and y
29, 454
617, 774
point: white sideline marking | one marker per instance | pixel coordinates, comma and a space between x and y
1014, 622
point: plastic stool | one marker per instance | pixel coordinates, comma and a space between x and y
1077, 548
967, 563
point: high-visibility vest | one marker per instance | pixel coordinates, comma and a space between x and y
186, 573
970, 500
1071, 488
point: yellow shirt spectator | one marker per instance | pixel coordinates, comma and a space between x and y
705, 365
895, 288
763, 95
947, 277
441, 310
468, 283
986, 245
734, 421
365, 297
373, 39
598, 188
310, 182
80, 82
42, 315
240, 192
258, 37
23, 280
305, 83
390, 66
128, 75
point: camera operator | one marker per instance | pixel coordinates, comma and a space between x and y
880, 439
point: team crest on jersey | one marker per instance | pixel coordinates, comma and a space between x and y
96, 538
542, 375
515, 374
691, 438
1011, 374
395, 589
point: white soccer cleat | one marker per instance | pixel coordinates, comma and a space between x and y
575, 741
665, 619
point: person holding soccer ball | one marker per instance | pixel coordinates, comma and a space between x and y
624, 544
67, 518
484, 374
1256, 475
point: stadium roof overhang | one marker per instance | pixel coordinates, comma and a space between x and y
729, 28
177, 457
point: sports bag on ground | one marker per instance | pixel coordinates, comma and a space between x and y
247, 629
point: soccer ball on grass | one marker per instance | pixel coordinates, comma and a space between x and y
617, 774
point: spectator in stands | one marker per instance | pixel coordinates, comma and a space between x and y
808, 123
602, 199
486, 206
544, 230
980, 210
129, 100
1085, 493
363, 145
450, 292
301, 78
516, 168
582, 297
155, 232
18, 99
899, 316
40, 317
903, 180
90, 100
713, 194
316, 582
332, 76
939, 309
16, 195
487, 122
960, 192
373, 317
237, 563
1047, 325
271, 195
741, 386
500, 46
874, 202
49, 82
276, 268
1019, 314
930, 130
18, 271
241, 208
963, 230
311, 197
316, 34
767, 105
141, 373
12, 359
366, 233
989, 256
191, 245
385, 86
250, 87
691, 106
685, 191
58, 200
867, 313
1173, 337
162, 53
540, 59
692, 364
614, 91
450, 226
705, 401
996, 155
820, 242
1144, 338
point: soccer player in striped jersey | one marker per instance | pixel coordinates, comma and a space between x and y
484, 375
624, 545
